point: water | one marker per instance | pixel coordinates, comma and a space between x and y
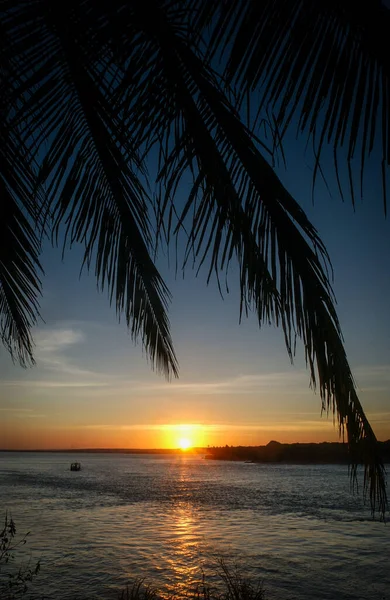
162, 518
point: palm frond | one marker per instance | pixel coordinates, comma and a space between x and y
91, 171
239, 208
20, 285
322, 65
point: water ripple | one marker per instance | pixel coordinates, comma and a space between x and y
121, 516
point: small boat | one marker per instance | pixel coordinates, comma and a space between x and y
76, 466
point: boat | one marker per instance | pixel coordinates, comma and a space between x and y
75, 466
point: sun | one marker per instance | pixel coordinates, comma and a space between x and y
184, 443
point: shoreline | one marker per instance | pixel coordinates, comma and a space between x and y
273, 453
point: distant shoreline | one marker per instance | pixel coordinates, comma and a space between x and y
111, 450
273, 452
296, 453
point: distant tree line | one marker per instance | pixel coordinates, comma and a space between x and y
275, 452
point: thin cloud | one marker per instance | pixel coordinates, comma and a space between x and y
383, 417
244, 384
51, 348
22, 413
12, 409
39, 383
297, 425
372, 378
31, 416
52, 340
52, 357
279, 382
373, 370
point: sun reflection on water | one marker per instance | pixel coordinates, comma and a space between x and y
165, 520
184, 561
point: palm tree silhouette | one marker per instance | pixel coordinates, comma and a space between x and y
91, 93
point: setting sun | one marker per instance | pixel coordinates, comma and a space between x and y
184, 443
183, 436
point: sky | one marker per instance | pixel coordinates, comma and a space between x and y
93, 388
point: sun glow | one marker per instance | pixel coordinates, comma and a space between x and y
183, 436
185, 443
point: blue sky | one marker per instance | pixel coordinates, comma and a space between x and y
92, 387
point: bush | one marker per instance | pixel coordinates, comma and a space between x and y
14, 580
228, 583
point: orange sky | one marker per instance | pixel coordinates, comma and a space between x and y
27, 436
65, 403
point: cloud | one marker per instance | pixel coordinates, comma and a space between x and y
275, 425
372, 378
52, 340
373, 371
295, 382
13, 410
52, 350
40, 383
379, 417
51, 347
243, 384
22, 413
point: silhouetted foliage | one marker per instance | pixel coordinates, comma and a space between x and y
14, 579
226, 581
274, 452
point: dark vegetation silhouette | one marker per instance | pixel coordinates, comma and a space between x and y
297, 453
15, 577
93, 93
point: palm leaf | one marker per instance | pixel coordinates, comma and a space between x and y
322, 65
89, 167
239, 207
20, 285
19, 256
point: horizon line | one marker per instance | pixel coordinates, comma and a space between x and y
170, 450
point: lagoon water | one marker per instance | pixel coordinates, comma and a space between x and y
123, 516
